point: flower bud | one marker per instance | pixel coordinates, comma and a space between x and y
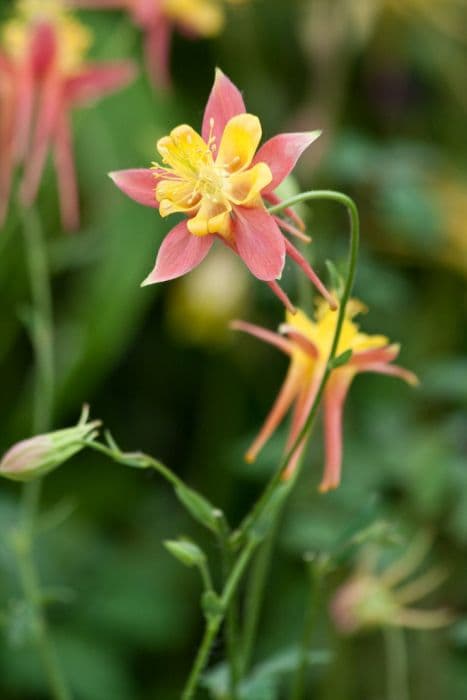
36, 456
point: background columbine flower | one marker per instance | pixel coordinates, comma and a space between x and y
308, 342
375, 597
157, 20
220, 182
44, 75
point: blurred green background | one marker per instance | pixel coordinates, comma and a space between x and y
386, 83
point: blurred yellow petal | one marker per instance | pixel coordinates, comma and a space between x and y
204, 17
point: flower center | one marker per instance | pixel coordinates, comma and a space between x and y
73, 38
189, 172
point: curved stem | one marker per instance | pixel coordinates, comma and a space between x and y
41, 328
276, 480
276, 491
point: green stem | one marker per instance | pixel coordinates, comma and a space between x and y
265, 498
213, 625
32, 593
42, 340
275, 492
299, 680
396, 660
254, 598
41, 320
231, 622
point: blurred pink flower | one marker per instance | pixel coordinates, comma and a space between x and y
157, 20
220, 182
308, 342
379, 597
43, 75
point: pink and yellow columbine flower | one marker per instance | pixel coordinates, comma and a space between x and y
374, 597
43, 75
308, 343
157, 20
220, 182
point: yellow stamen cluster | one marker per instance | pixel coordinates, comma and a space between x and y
73, 38
320, 331
204, 181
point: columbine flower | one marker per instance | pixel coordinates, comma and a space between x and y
158, 18
376, 598
220, 182
44, 75
308, 342
36, 456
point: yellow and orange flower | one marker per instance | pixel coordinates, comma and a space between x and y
307, 341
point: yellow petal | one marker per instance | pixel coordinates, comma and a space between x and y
212, 217
204, 17
240, 140
176, 196
185, 151
244, 188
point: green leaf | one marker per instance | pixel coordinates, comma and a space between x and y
341, 360
188, 553
199, 507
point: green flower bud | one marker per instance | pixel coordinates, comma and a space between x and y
36, 456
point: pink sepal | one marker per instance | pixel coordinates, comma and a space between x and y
259, 242
96, 81
43, 49
388, 353
263, 334
66, 174
179, 253
225, 102
138, 184
310, 273
50, 108
157, 52
282, 152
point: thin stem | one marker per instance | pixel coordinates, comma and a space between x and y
41, 328
275, 482
276, 491
136, 459
231, 622
255, 591
396, 661
41, 323
299, 679
213, 625
32, 592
